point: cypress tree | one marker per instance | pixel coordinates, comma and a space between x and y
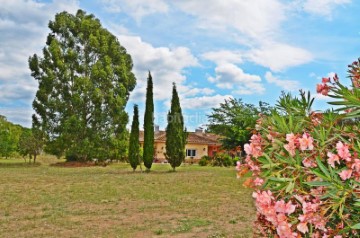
134, 146
149, 125
175, 133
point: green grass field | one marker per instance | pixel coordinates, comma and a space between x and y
112, 201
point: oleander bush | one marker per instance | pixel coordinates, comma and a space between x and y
305, 165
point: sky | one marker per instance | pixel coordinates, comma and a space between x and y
212, 49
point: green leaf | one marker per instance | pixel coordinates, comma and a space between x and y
281, 179
290, 188
356, 226
323, 168
318, 183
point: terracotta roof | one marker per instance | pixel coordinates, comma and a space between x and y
193, 137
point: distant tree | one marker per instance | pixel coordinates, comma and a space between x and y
31, 143
9, 137
134, 145
148, 154
84, 81
175, 133
234, 120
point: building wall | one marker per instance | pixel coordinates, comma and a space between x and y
159, 150
201, 150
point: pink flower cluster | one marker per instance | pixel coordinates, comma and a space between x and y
355, 74
304, 142
324, 88
275, 212
311, 214
344, 155
254, 148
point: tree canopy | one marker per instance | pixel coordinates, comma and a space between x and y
9, 137
85, 79
175, 133
233, 120
148, 155
134, 145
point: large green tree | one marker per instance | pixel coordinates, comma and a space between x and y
175, 133
84, 81
134, 145
148, 154
233, 120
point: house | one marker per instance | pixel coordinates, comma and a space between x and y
198, 144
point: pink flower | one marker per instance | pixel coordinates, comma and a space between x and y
343, 151
309, 163
281, 206
290, 148
323, 89
238, 165
306, 142
356, 165
302, 227
248, 149
338, 236
345, 174
325, 80
332, 159
258, 181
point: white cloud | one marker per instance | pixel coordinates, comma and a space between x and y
323, 7
289, 85
230, 76
18, 115
203, 102
255, 19
223, 56
23, 30
278, 56
167, 65
136, 8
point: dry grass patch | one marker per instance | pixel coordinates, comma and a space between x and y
112, 201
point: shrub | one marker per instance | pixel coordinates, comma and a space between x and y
305, 165
222, 159
203, 162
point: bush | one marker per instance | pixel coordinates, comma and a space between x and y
305, 165
222, 159
203, 162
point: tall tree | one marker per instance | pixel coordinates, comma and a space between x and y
233, 120
84, 81
148, 154
134, 145
175, 133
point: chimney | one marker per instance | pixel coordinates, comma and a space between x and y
198, 130
156, 128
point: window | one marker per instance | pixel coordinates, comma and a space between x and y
191, 153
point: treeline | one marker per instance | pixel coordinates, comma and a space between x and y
16, 140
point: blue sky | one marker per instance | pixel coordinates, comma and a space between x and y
212, 49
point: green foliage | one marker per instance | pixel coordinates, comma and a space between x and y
205, 160
84, 81
176, 134
234, 120
222, 159
134, 145
148, 153
305, 158
9, 137
31, 143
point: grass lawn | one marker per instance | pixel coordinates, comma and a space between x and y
112, 201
